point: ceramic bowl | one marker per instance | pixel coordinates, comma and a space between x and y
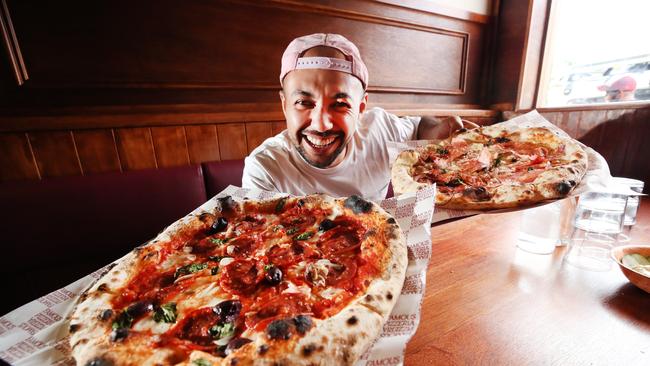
639, 280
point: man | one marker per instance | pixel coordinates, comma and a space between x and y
332, 144
621, 90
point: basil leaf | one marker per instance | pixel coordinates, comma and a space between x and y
190, 268
224, 330
280, 205
304, 236
166, 313
218, 241
292, 230
123, 320
201, 362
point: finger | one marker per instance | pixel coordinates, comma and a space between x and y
470, 125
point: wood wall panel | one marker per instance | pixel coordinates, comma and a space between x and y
170, 146
278, 127
97, 151
256, 133
16, 158
135, 148
232, 141
202, 143
55, 153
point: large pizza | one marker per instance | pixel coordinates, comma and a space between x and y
493, 167
302, 280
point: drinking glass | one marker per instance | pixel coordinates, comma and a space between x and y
596, 225
632, 201
539, 231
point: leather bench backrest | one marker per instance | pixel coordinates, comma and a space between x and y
221, 174
55, 231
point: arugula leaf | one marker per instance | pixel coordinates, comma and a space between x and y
292, 230
190, 268
496, 162
201, 362
442, 151
304, 236
123, 320
165, 313
222, 330
218, 241
530, 168
267, 267
280, 205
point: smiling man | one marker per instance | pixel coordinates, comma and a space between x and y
332, 144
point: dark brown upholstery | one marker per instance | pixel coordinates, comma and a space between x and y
55, 231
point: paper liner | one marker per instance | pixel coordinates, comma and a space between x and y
597, 177
37, 333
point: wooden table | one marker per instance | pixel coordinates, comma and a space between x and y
489, 303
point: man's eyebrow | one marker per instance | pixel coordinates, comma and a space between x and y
342, 96
302, 93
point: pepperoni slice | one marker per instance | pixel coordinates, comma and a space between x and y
285, 305
283, 256
240, 276
341, 275
195, 327
345, 237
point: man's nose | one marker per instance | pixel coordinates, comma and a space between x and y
320, 119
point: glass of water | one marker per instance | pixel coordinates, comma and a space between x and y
632, 201
539, 231
597, 223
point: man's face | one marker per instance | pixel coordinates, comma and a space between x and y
322, 108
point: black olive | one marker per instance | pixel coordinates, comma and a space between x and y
218, 226
501, 140
303, 323
326, 225
225, 204
357, 204
279, 329
235, 344
139, 308
99, 361
228, 310
119, 334
273, 275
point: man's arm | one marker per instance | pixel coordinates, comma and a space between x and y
431, 128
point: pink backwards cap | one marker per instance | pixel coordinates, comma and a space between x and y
353, 64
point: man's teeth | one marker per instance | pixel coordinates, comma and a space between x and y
320, 141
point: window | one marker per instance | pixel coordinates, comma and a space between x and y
597, 51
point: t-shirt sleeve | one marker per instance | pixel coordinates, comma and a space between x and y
398, 129
255, 176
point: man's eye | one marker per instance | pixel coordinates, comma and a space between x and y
304, 103
340, 105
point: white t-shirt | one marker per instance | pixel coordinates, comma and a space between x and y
276, 165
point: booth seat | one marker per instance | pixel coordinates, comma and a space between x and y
57, 230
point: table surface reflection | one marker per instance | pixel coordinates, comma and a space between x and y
488, 302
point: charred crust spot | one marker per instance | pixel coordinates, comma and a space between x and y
389, 296
74, 328
346, 355
80, 342
479, 194
369, 297
103, 287
564, 187
352, 320
301, 203
279, 329
391, 220
234, 361
303, 323
357, 204
205, 216
263, 349
308, 350
352, 340
83, 296
219, 225
226, 204
100, 361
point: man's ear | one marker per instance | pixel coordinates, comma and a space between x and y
282, 99
363, 103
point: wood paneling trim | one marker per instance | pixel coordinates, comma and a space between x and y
438, 9
136, 149
175, 115
97, 151
16, 158
55, 153
11, 45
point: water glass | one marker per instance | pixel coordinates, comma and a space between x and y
539, 231
632, 201
596, 225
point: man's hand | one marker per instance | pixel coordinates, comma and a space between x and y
432, 128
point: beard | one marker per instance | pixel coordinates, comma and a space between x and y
327, 162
